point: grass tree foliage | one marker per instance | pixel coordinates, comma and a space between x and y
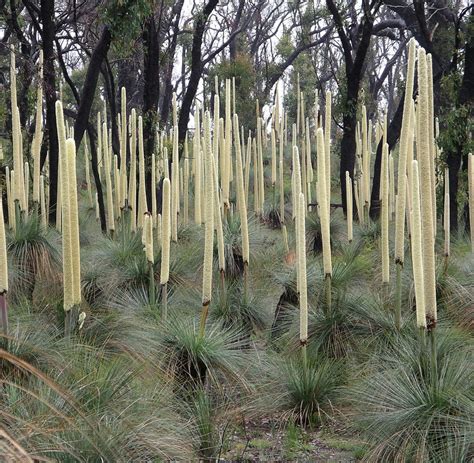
185, 324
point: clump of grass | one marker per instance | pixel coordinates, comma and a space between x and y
33, 250
96, 408
233, 310
407, 413
194, 359
303, 393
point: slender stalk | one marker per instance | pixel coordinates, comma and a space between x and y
304, 355
328, 292
151, 289
222, 275
246, 281
398, 295
17, 213
70, 320
385, 292
202, 324
164, 301
434, 357
4, 312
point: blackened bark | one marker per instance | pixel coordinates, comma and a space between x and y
168, 87
151, 94
109, 85
90, 84
393, 134
196, 70
455, 156
466, 96
49, 81
354, 73
95, 173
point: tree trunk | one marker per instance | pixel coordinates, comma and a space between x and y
95, 173
393, 134
90, 85
49, 82
168, 87
196, 71
109, 85
466, 99
151, 94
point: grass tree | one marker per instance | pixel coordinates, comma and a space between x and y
3, 273
402, 167
324, 214
208, 228
165, 246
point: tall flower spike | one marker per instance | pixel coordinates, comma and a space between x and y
303, 292
133, 171
209, 220
350, 234
423, 145
385, 217
417, 248
446, 214
402, 159
74, 220
166, 233
241, 195
470, 181
38, 136
323, 204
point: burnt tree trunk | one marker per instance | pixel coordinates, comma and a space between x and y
95, 173
109, 85
465, 107
354, 74
196, 70
151, 94
393, 134
167, 85
90, 85
49, 80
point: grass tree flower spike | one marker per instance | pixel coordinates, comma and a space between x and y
446, 222
385, 217
43, 211
149, 254
74, 220
327, 146
242, 203
470, 181
324, 216
133, 171
208, 230
423, 149
175, 187
323, 204
38, 136
303, 291
349, 201
197, 168
404, 152
417, 248
165, 245
402, 159
142, 205
68, 279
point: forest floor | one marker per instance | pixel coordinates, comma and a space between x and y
267, 441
